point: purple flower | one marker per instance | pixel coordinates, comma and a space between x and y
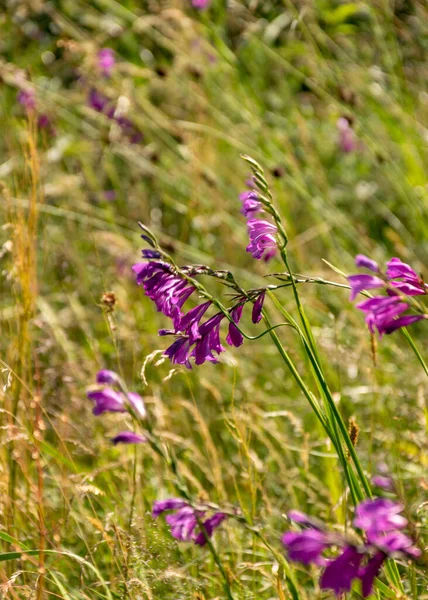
201, 4
106, 61
185, 521
168, 290
383, 482
360, 283
102, 104
112, 400
408, 281
128, 437
395, 542
27, 99
378, 516
306, 547
209, 526
370, 571
235, 337
340, 572
381, 312
107, 400
161, 506
364, 261
109, 377
347, 138
257, 316
262, 238
208, 341
250, 203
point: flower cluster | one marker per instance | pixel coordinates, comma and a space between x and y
381, 521
101, 104
113, 397
188, 524
169, 290
262, 233
399, 283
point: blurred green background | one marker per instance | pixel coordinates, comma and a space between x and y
281, 81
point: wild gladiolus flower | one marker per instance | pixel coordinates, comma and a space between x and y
114, 398
106, 61
380, 519
400, 282
262, 239
250, 203
197, 339
168, 290
186, 523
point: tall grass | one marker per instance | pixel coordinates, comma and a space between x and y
271, 80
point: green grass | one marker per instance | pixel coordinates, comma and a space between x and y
269, 79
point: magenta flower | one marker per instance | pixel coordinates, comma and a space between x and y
347, 138
201, 4
365, 262
257, 316
379, 515
106, 61
168, 290
250, 203
381, 521
27, 99
128, 437
404, 278
235, 337
262, 239
187, 524
385, 313
361, 283
102, 104
113, 397
306, 547
107, 400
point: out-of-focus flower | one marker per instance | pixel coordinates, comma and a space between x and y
113, 397
385, 313
128, 437
106, 61
262, 238
381, 521
379, 515
306, 547
340, 572
27, 99
365, 262
102, 104
383, 482
201, 4
250, 203
347, 139
187, 524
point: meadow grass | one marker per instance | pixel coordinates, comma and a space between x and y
269, 79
